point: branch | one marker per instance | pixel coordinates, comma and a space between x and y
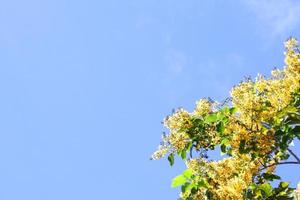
293, 154
281, 163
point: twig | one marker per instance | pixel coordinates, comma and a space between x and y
293, 154
281, 163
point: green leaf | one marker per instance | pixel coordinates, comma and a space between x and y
232, 110
252, 186
226, 110
202, 183
184, 187
171, 159
298, 136
189, 146
225, 141
220, 127
220, 115
183, 154
270, 177
242, 148
284, 184
266, 188
178, 180
296, 131
223, 149
242, 144
187, 173
209, 195
211, 118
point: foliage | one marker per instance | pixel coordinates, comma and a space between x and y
253, 130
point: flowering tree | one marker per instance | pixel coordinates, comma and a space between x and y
253, 130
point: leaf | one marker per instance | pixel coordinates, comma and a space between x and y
171, 159
293, 122
298, 136
223, 148
202, 183
178, 180
252, 186
242, 144
220, 127
296, 131
284, 185
270, 177
190, 146
184, 187
209, 195
211, 118
183, 155
225, 141
242, 148
226, 110
220, 115
232, 110
187, 173
266, 188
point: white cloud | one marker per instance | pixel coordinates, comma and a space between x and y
279, 17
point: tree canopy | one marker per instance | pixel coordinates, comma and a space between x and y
253, 129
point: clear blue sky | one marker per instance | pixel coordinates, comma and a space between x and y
85, 84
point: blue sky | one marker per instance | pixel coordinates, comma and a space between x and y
85, 84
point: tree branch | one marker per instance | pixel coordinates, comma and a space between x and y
293, 154
281, 163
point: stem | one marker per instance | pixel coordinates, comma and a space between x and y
281, 163
293, 154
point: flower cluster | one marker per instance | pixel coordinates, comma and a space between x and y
203, 106
227, 178
253, 131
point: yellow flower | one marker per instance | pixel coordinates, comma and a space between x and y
180, 119
179, 140
203, 106
256, 101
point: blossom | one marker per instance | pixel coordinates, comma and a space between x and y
248, 133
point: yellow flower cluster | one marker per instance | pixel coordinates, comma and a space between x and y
228, 178
253, 135
203, 106
198, 196
256, 102
232, 176
160, 152
197, 165
177, 139
180, 119
262, 100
